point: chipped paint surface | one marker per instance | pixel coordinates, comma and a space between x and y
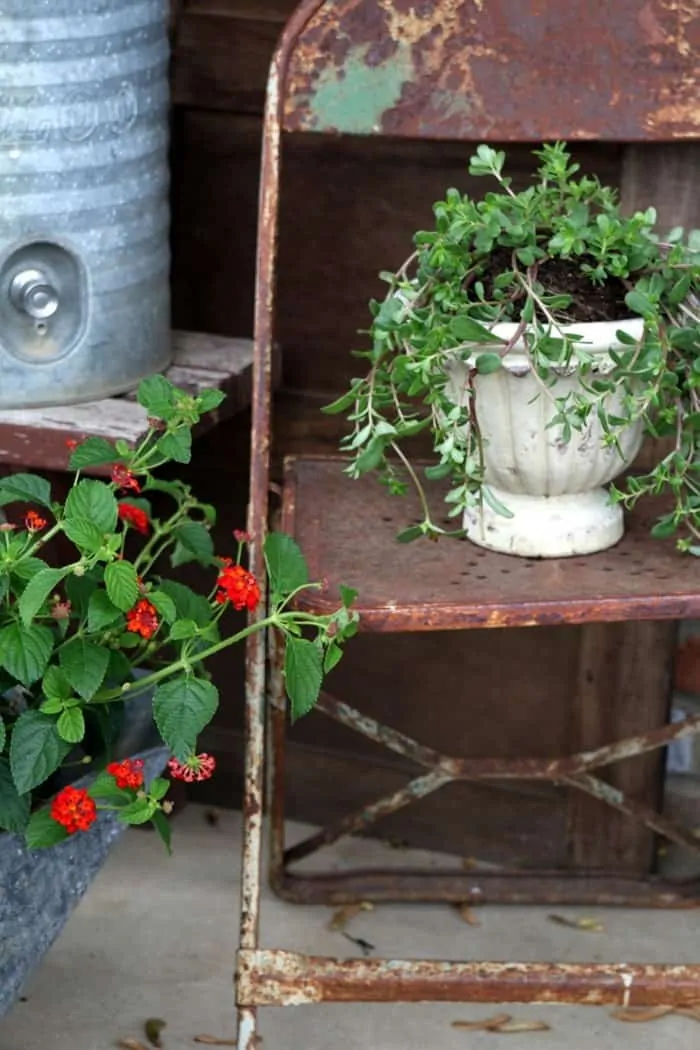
477, 70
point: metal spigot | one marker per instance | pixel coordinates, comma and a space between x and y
32, 293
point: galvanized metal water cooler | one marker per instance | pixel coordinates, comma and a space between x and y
84, 256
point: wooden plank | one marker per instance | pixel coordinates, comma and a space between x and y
624, 684
37, 437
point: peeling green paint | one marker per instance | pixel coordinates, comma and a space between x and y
356, 103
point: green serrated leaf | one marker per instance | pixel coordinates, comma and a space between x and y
14, 807
36, 750
52, 706
177, 445
209, 400
286, 565
27, 568
37, 591
121, 581
71, 725
85, 665
164, 604
93, 452
157, 395
303, 672
25, 488
43, 830
197, 542
188, 604
84, 534
162, 826
55, 685
104, 787
181, 710
25, 651
183, 629
140, 811
101, 611
78, 591
333, 656
92, 501
158, 788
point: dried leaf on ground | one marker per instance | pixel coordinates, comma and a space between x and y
468, 914
130, 1044
489, 1024
153, 1027
212, 1040
524, 1026
587, 925
644, 1014
342, 916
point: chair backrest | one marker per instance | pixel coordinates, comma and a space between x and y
499, 70
475, 70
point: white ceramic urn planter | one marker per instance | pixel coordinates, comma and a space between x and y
555, 491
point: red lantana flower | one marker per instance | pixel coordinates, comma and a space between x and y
238, 586
34, 522
134, 516
127, 774
74, 809
71, 444
196, 767
124, 479
143, 619
240, 536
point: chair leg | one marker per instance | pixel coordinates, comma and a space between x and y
253, 806
276, 721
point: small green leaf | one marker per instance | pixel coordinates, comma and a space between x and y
92, 501
188, 604
55, 685
52, 706
164, 604
78, 590
438, 471
157, 395
183, 629
347, 595
25, 488
85, 665
495, 504
84, 534
334, 655
286, 565
639, 303
664, 528
104, 787
162, 826
469, 331
14, 808
209, 400
177, 445
36, 750
121, 581
410, 534
181, 710
25, 651
37, 591
93, 452
43, 830
303, 672
197, 542
488, 363
158, 788
101, 611
27, 568
71, 725
338, 406
140, 811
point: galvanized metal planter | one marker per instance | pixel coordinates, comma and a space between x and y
40, 888
84, 256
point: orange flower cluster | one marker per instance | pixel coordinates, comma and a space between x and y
238, 586
128, 773
34, 522
134, 516
74, 809
143, 619
124, 479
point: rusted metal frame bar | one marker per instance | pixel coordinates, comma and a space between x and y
504, 768
612, 796
279, 978
550, 888
417, 788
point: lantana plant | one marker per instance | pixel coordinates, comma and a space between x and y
72, 635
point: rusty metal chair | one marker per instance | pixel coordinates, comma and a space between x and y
436, 70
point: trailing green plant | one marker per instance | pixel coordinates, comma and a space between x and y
500, 259
73, 633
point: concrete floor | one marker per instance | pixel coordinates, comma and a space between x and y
155, 937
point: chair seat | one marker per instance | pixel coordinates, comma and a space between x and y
347, 531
